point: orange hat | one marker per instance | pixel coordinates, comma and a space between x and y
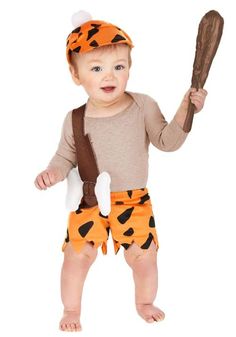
93, 34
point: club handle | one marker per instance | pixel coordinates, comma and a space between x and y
189, 118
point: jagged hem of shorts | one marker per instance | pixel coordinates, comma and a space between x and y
127, 243
77, 247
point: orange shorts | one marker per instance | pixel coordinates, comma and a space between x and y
131, 220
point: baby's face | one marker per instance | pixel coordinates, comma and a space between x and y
104, 73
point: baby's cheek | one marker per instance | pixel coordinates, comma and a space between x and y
124, 78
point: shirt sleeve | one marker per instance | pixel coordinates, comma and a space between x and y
163, 135
65, 156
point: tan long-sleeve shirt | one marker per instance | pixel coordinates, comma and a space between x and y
121, 142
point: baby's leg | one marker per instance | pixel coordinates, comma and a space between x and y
144, 266
73, 274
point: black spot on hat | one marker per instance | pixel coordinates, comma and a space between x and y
151, 221
123, 217
77, 49
95, 25
85, 228
92, 32
130, 192
76, 30
129, 232
125, 245
144, 198
94, 44
118, 38
147, 242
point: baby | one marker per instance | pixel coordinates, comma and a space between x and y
120, 125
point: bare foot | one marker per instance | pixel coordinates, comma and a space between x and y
70, 321
150, 313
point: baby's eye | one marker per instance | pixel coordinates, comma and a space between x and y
96, 69
119, 67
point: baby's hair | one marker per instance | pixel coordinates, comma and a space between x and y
111, 47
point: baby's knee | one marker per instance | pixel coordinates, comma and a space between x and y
138, 258
85, 257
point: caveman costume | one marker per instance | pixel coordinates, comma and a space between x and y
105, 159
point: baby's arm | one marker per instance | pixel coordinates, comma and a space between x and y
170, 136
163, 135
63, 160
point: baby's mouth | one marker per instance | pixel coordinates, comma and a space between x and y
108, 89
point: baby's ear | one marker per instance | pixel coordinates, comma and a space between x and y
74, 74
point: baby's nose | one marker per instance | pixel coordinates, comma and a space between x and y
108, 75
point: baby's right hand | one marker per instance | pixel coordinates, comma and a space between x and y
48, 178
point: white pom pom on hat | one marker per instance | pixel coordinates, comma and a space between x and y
80, 18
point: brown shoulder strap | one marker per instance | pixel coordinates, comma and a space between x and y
86, 158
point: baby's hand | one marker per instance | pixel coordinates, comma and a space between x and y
48, 178
197, 97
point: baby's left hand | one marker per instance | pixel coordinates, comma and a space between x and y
197, 97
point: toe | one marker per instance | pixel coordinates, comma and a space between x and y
72, 327
78, 327
150, 320
158, 317
68, 328
63, 327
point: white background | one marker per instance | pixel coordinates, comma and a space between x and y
192, 189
